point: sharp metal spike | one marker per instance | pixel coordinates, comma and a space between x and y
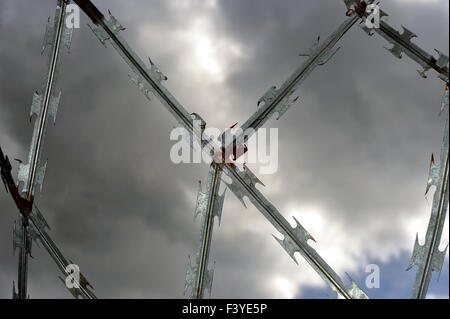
396, 51
383, 14
190, 276
15, 295
301, 232
279, 100
438, 260
36, 104
401, 43
313, 49
38, 226
148, 79
445, 100
428, 257
355, 291
40, 174
114, 24
327, 56
66, 37
53, 106
209, 276
49, 35
23, 174
294, 239
101, 35
433, 174
288, 245
156, 73
249, 177
269, 96
417, 251
442, 60
237, 190
202, 202
198, 277
407, 34
113, 28
284, 105
218, 206
17, 237
142, 86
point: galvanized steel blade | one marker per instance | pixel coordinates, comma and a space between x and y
428, 257
37, 229
147, 78
295, 239
401, 43
279, 100
22, 241
36, 226
149, 81
44, 104
209, 205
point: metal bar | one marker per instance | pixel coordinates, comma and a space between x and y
401, 42
277, 100
36, 225
428, 257
209, 205
44, 104
150, 80
39, 224
295, 239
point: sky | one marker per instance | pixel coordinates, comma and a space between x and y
353, 156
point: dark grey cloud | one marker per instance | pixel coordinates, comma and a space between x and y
357, 145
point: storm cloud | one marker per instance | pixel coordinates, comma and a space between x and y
353, 152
